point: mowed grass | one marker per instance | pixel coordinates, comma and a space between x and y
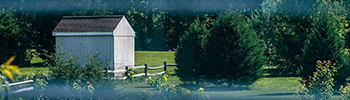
153, 58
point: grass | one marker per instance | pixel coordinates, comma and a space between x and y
276, 84
264, 88
153, 58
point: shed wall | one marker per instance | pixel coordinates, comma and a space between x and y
124, 52
80, 46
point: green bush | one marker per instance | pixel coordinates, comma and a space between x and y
158, 82
66, 72
232, 51
188, 54
319, 86
174, 92
345, 92
65, 68
325, 40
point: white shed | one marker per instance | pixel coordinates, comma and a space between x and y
111, 36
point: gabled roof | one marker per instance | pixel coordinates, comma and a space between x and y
88, 23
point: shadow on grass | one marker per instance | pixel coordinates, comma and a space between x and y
277, 94
225, 88
274, 72
36, 65
145, 87
214, 88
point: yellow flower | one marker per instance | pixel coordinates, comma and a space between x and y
200, 90
6, 67
188, 92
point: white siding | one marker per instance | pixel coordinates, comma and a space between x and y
124, 45
123, 29
124, 52
81, 45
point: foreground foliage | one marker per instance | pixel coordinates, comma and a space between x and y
170, 92
320, 85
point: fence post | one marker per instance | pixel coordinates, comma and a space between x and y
126, 72
165, 65
6, 93
145, 70
106, 72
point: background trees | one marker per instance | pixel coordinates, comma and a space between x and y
283, 32
15, 35
159, 24
226, 50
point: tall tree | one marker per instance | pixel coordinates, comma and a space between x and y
232, 51
188, 54
16, 37
326, 40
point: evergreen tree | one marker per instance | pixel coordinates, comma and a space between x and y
232, 51
188, 54
326, 40
283, 32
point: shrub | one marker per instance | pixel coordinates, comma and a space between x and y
129, 73
174, 92
92, 71
85, 90
325, 40
188, 54
320, 85
345, 92
232, 51
159, 82
66, 72
170, 92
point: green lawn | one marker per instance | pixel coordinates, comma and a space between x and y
264, 88
153, 58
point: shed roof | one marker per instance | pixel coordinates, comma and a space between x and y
88, 23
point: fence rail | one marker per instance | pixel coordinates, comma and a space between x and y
7, 93
142, 74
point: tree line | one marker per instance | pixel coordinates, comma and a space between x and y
159, 24
231, 48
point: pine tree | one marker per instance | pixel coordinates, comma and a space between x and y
326, 41
188, 54
232, 51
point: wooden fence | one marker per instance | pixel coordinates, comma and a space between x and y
146, 68
24, 89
